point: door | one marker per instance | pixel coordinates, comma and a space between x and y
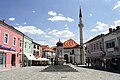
66, 58
13, 60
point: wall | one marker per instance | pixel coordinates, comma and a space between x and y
17, 48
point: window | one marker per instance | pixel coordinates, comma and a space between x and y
107, 45
110, 45
37, 47
34, 46
113, 44
14, 41
72, 51
25, 44
97, 45
100, 46
91, 47
29, 46
6, 36
20, 43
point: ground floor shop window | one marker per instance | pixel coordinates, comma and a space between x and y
2, 60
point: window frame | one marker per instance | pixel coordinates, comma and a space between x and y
21, 43
15, 41
7, 39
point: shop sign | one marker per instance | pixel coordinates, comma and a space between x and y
6, 48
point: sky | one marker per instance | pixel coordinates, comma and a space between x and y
47, 21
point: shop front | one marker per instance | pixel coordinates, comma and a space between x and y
2, 60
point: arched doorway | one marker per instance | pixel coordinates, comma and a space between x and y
66, 58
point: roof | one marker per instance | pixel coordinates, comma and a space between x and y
70, 44
53, 47
10, 27
95, 38
48, 50
44, 46
59, 43
36, 43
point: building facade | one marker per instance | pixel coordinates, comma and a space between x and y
112, 48
27, 50
95, 51
11, 42
36, 49
69, 51
103, 51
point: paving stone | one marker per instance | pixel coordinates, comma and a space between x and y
34, 73
59, 68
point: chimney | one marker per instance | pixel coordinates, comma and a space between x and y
113, 30
110, 30
118, 27
3, 20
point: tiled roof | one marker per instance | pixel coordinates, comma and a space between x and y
48, 50
70, 44
53, 48
44, 46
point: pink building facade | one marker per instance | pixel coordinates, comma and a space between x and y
11, 42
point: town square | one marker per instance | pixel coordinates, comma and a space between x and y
60, 40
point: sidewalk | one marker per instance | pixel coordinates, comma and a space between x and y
6, 69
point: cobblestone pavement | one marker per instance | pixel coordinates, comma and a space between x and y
33, 73
59, 68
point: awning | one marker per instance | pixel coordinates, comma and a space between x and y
7, 51
30, 56
42, 59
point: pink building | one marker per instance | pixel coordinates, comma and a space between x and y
10, 46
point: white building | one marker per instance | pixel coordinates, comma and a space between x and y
68, 51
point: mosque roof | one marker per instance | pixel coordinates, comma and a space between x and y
70, 44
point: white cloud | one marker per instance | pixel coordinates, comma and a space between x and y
100, 27
117, 23
33, 11
16, 24
63, 33
117, 5
30, 30
70, 19
65, 25
67, 28
25, 23
53, 31
48, 36
60, 14
11, 19
59, 17
90, 14
43, 42
51, 13
104, 28
94, 30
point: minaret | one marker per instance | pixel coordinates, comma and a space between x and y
80, 25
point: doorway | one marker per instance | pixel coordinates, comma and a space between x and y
13, 60
66, 58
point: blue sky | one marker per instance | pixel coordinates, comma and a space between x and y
45, 21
